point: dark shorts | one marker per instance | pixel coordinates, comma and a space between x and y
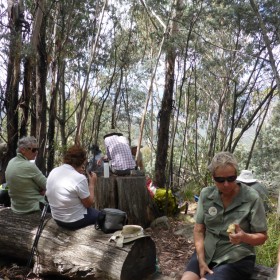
121, 172
240, 270
89, 219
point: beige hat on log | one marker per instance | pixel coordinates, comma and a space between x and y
128, 234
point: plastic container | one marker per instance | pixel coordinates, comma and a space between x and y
106, 169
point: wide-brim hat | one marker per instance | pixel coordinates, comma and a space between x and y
128, 234
112, 132
246, 176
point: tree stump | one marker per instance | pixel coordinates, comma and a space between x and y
81, 254
134, 199
127, 193
106, 193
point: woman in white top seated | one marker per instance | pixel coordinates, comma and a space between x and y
70, 193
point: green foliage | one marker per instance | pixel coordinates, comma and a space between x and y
161, 199
266, 155
267, 253
217, 44
189, 194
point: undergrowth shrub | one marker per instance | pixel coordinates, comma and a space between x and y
267, 253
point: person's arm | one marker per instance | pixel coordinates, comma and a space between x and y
39, 178
105, 157
199, 234
108, 155
253, 239
88, 201
258, 225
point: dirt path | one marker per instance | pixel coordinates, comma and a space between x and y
174, 245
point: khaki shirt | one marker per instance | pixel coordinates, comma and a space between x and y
247, 210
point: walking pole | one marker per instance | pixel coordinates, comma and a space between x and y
39, 230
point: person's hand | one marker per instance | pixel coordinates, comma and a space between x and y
99, 162
204, 269
92, 177
237, 237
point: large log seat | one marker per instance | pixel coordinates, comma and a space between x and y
81, 254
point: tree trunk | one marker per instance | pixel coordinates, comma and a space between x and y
41, 100
278, 205
164, 121
26, 93
106, 193
167, 102
80, 254
134, 199
12, 93
29, 66
80, 120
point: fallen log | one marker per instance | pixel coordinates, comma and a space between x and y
82, 254
262, 273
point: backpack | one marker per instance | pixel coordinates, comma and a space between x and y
4, 196
110, 220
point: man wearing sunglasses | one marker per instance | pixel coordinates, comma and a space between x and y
27, 184
230, 221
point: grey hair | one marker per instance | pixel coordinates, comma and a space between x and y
26, 142
222, 159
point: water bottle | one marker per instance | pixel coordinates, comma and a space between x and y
106, 169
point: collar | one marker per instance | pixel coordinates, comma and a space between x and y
20, 155
68, 166
239, 199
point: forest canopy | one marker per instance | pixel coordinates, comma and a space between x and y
185, 78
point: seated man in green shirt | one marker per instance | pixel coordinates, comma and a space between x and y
26, 182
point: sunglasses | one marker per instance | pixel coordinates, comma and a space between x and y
229, 179
33, 150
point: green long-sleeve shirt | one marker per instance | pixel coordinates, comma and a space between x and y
26, 182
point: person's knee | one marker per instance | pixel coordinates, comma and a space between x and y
188, 275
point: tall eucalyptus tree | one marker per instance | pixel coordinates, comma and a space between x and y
18, 26
167, 100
